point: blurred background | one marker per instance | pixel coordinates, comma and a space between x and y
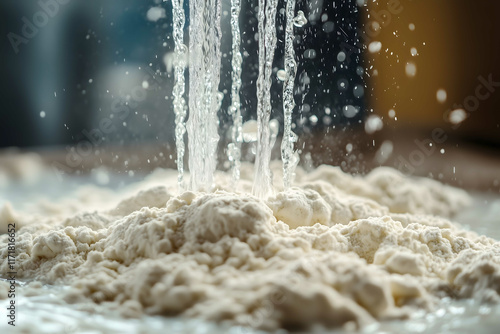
409, 84
88, 55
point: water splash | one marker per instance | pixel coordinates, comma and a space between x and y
204, 102
289, 138
180, 107
234, 148
262, 186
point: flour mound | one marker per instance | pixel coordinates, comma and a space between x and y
336, 250
395, 191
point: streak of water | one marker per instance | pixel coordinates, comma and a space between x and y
204, 101
180, 107
234, 149
262, 186
289, 138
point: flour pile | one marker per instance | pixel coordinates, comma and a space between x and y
335, 250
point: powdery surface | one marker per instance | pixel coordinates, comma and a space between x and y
335, 251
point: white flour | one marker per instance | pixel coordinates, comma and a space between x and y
336, 250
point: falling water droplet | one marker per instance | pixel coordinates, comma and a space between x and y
457, 116
300, 20
281, 75
411, 69
373, 124
441, 95
374, 47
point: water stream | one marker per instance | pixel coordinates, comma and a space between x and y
205, 99
180, 107
262, 186
289, 137
234, 148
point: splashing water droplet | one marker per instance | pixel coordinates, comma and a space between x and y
300, 20
411, 69
373, 124
155, 13
441, 95
457, 116
350, 111
375, 47
384, 152
281, 75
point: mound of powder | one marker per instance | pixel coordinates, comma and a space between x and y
336, 250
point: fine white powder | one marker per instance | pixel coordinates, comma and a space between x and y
335, 250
